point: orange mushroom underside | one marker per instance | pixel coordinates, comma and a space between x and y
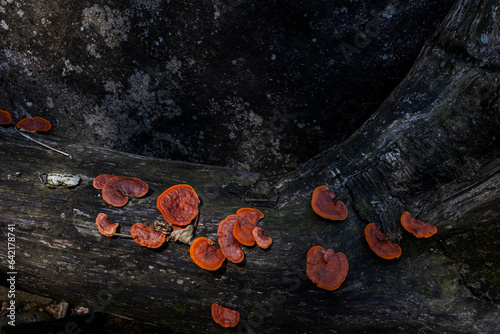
380, 244
144, 236
248, 220
105, 226
326, 268
5, 117
179, 204
262, 238
205, 255
101, 180
416, 227
117, 190
225, 316
230, 247
323, 204
33, 124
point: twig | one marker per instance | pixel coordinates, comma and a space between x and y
123, 235
44, 145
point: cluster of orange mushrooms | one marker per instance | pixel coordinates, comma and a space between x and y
179, 206
233, 232
328, 269
29, 124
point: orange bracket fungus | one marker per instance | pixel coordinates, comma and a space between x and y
225, 316
5, 117
323, 204
326, 268
179, 204
33, 124
205, 255
416, 227
380, 244
262, 238
101, 180
105, 226
144, 236
230, 247
118, 189
247, 221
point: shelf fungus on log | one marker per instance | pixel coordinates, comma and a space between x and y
179, 204
416, 227
5, 118
101, 180
118, 189
323, 204
380, 244
205, 255
230, 247
326, 268
225, 316
33, 124
248, 219
105, 226
262, 238
144, 236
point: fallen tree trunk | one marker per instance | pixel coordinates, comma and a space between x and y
431, 149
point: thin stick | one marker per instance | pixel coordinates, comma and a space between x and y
123, 235
44, 145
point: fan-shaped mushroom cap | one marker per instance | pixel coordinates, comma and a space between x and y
380, 244
179, 204
101, 180
230, 247
416, 227
326, 268
250, 215
247, 220
34, 124
262, 238
5, 117
323, 204
144, 236
205, 255
225, 316
105, 226
118, 189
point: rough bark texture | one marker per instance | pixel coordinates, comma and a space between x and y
430, 149
194, 81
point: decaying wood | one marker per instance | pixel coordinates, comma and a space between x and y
431, 149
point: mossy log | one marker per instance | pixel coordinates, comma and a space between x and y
431, 149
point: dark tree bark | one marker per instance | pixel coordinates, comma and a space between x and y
431, 149
192, 81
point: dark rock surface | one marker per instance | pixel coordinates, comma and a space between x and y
258, 86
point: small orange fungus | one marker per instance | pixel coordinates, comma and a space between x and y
144, 236
416, 227
205, 255
225, 316
105, 226
118, 189
179, 204
33, 124
323, 204
380, 244
5, 117
230, 247
326, 268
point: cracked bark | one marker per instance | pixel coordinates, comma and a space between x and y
430, 149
